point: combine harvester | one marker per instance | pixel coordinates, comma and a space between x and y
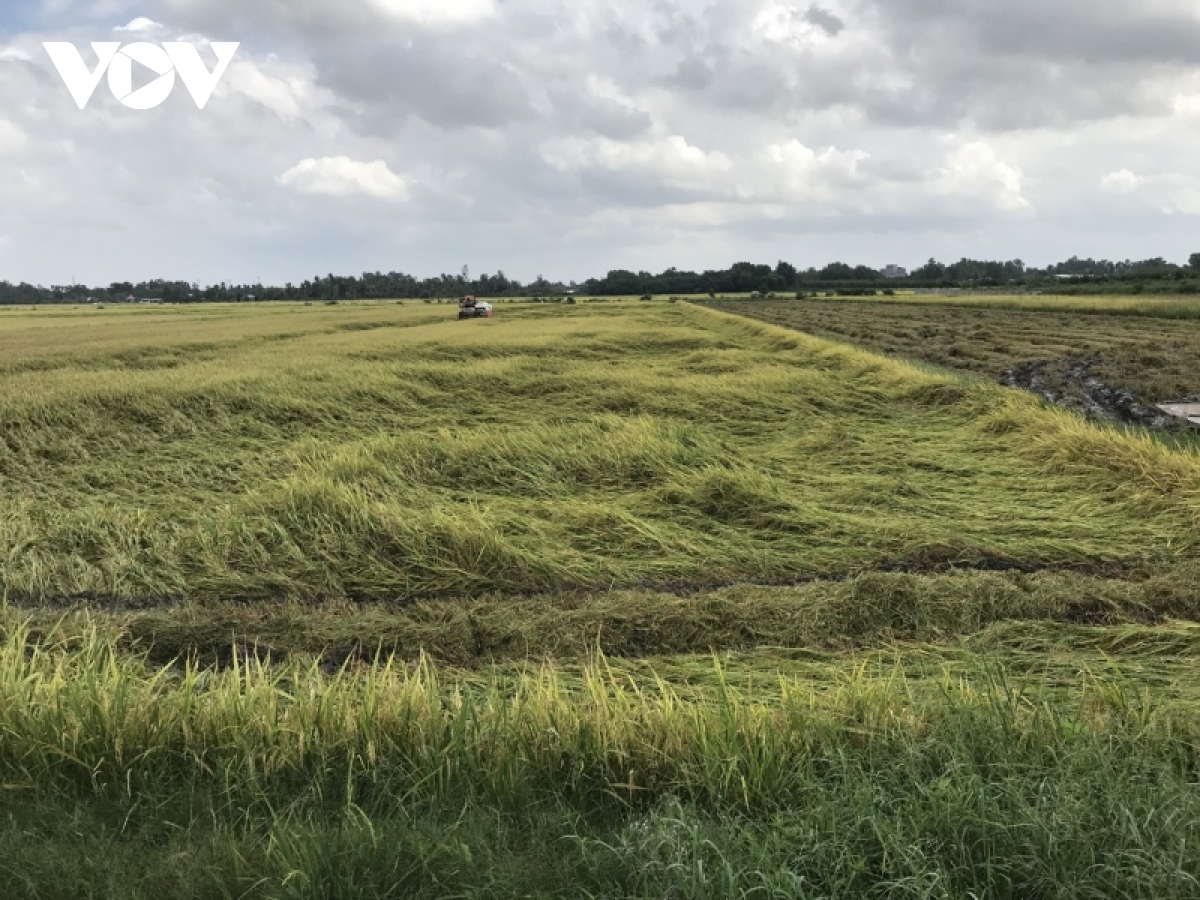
470, 308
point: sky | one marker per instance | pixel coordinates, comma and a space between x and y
565, 138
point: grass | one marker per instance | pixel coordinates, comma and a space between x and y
398, 782
608, 600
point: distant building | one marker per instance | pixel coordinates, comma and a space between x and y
894, 271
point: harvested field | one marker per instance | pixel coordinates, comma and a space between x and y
1113, 366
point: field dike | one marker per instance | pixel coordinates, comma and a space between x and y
872, 610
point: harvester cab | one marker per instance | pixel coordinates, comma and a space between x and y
470, 308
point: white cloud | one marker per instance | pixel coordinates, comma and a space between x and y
678, 218
12, 136
1171, 193
288, 90
340, 176
778, 23
975, 171
14, 54
1184, 92
138, 25
19, 182
1178, 194
1121, 182
801, 173
727, 188
436, 13
669, 160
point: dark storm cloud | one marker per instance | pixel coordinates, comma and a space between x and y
825, 20
998, 65
442, 81
1099, 32
1023, 64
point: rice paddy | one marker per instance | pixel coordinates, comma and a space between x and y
609, 600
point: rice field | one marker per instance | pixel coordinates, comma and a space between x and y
613, 600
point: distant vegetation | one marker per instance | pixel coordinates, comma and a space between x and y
1085, 276
1075, 275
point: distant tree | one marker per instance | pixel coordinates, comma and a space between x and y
1194, 261
840, 271
932, 271
837, 271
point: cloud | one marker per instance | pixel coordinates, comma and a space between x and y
140, 24
779, 23
599, 106
340, 176
1177, 194
802, 173
1122, 182
825, 20
713, 129
12, 136
671, 171
668, 160
468, 81
290, 91
992, 66
976, 172
321, 19
1171, 193
436, 13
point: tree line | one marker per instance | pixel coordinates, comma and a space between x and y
966, 273
1074, 275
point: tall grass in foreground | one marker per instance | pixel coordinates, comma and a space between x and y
121, 780
90, 717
